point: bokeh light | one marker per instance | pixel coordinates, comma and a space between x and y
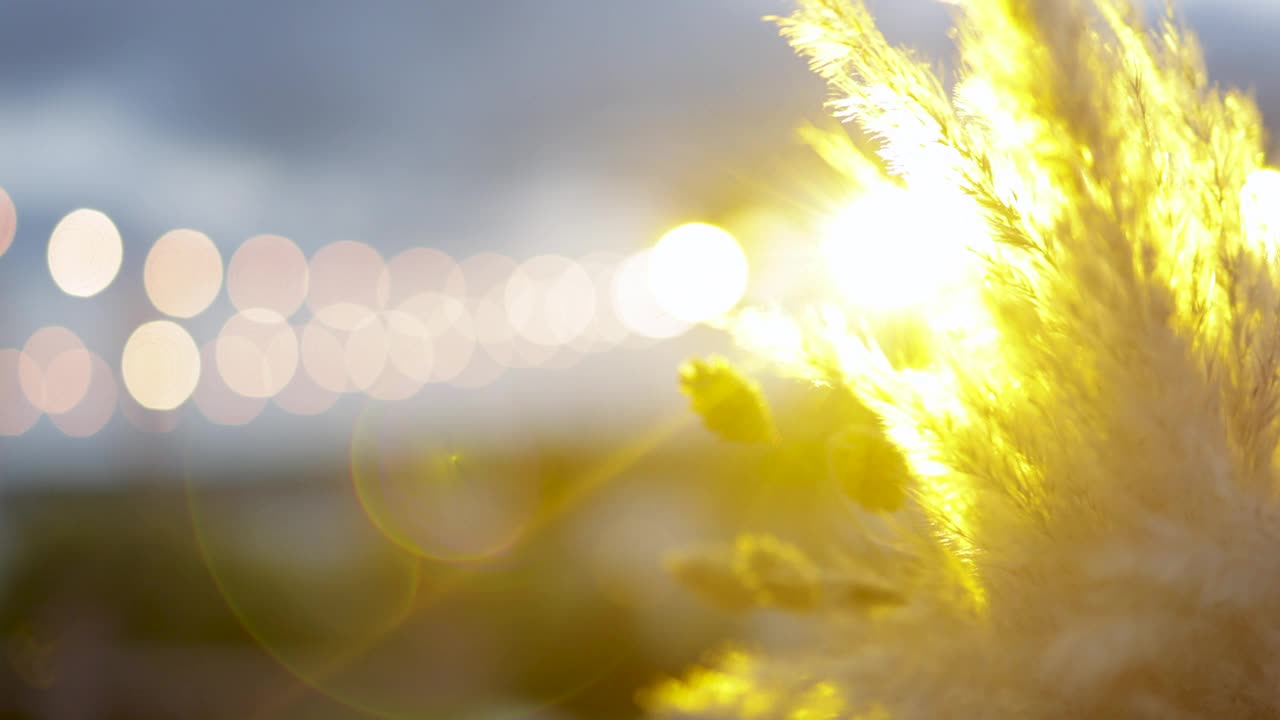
216, 400
605, 331
637, 307
148, 420
550, 300
183, 273
160, 365
56, 369
268, 272
85, 251
482, 370
349, 284
8, 221
393, 385
323, 352
487, 275
698, 272
419, 270
409, 344
365, 353
304, 396
17, 413
450, 332
257, 353
370, 357
409, 358
96, 407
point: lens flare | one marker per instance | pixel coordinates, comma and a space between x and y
160, 365
438, 501
325, 595
183, 273
85, 251
698, 272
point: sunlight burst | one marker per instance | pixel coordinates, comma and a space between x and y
892, 249
698, 272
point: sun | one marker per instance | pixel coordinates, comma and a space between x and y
892, 248
698, 272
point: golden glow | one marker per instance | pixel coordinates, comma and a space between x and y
698, 272
160, 365
257, 353
56, 369
267, 272
183, 273
891, 249
8, 221
85, 251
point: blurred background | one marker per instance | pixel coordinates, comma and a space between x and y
339, 345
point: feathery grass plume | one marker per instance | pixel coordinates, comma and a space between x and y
1089, 524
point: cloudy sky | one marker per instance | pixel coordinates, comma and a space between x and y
517, 126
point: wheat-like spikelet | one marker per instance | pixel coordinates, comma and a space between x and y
1092, 529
